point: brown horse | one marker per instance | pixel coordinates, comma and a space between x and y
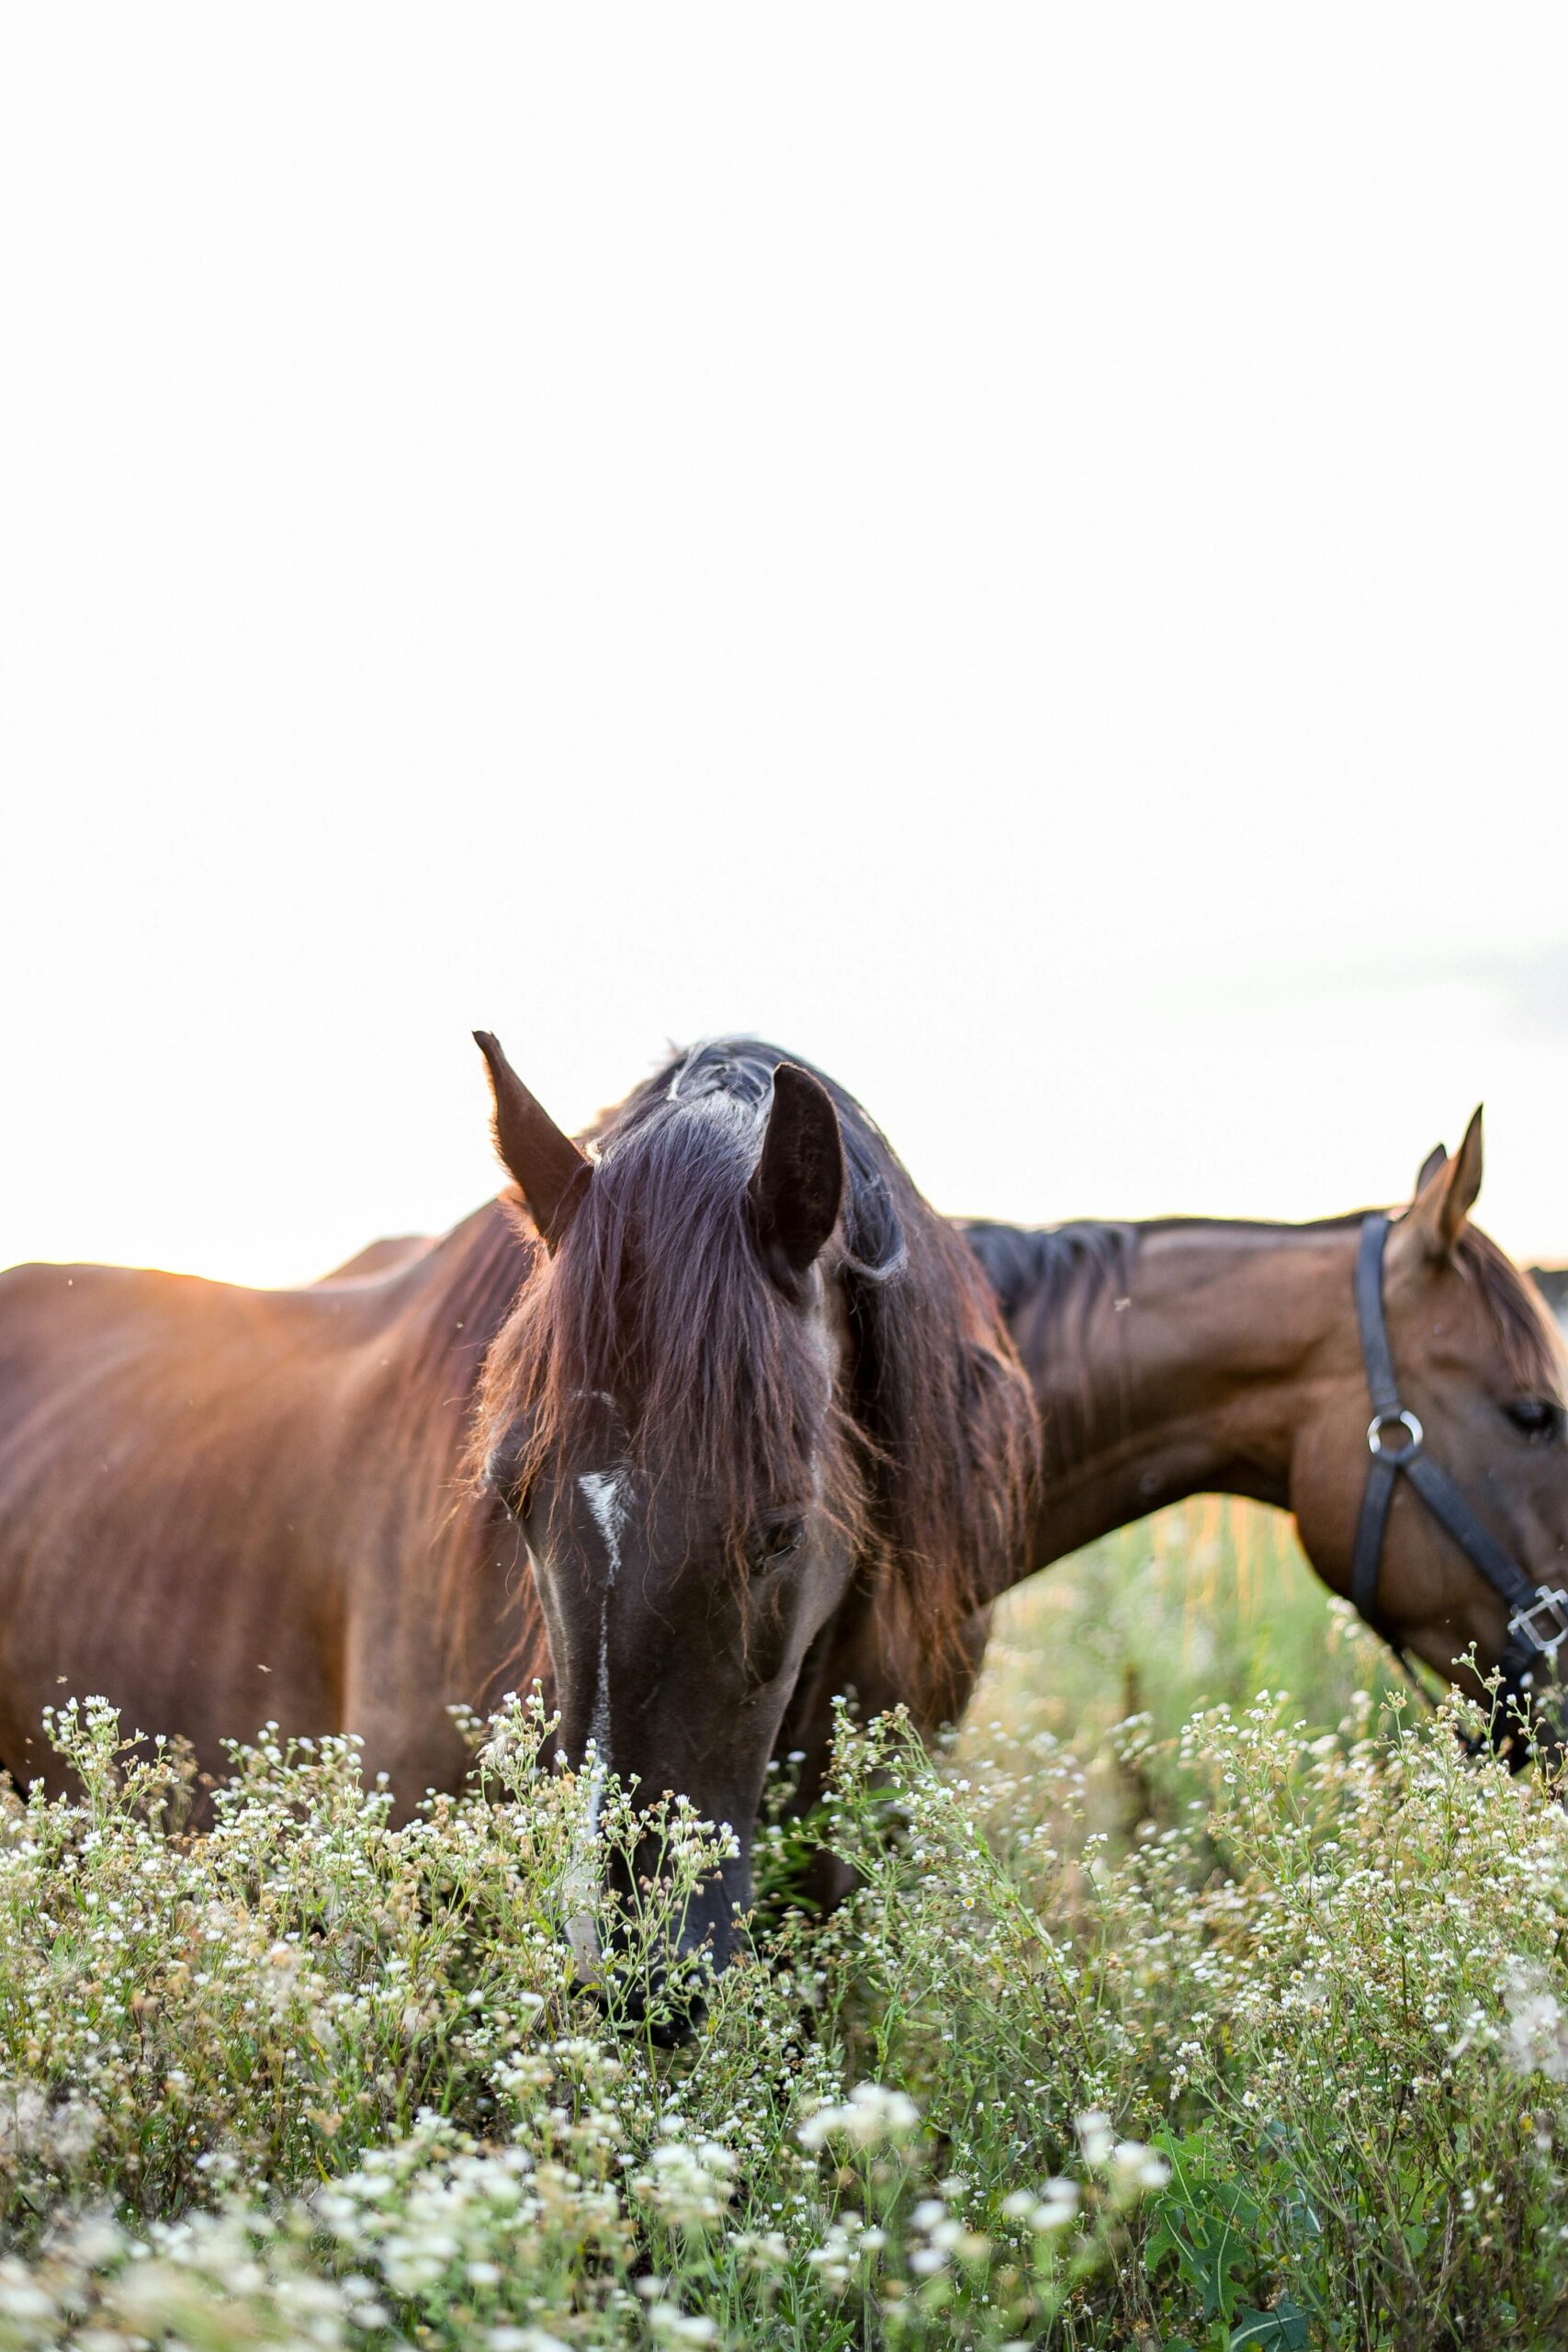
1189, 1356
738, 1395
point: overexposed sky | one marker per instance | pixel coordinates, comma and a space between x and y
1021, 553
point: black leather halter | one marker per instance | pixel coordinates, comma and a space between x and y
1537, 1614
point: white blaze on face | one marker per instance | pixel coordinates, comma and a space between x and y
604, 1493
605, 1497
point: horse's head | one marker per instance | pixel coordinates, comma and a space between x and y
664, 1414
1479, 1369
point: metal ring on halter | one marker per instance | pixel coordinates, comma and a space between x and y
1380, 1421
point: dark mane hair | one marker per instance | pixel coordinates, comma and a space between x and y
657, 1295
1064, 1267
1049, 1280
1526, 1334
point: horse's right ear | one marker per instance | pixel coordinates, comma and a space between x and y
545, 1163
797, 1186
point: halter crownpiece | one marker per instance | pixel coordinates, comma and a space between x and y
1537, 1614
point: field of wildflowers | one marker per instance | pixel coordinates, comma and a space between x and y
1171, 2011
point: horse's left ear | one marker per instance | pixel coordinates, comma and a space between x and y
1437, 1157
797, 1186
545, 1163
1445, 1193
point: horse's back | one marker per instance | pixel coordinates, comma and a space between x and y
78, 1342
379, 1258
201, 1485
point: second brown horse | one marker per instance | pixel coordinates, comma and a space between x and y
1193, 1355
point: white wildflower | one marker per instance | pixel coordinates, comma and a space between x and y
688, 2184
1138, 2168
1057, 2208
1536, 2041
870, 2115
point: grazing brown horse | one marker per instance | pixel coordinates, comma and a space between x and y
1189, 1356
724, 1381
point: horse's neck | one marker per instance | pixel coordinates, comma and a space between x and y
428, 1323
468, 1281
1169, 1359
465, 1589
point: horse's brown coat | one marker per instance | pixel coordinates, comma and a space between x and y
221, 1507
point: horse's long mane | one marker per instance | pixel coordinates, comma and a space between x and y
657, 1294
1049, 1281
1062, 1268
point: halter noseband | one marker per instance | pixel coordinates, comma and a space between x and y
1538, 1615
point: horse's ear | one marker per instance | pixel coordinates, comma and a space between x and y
547, 1166
1437, 1157
797, 1186
1447, 1194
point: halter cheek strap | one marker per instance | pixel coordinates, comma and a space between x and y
1538, 1615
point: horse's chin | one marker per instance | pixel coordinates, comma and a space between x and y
665, 2000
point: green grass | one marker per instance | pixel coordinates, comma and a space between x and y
1165, 2016
1210, 1602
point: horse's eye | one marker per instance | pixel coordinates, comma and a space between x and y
772, 1544
501, 1475
1537, 1417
